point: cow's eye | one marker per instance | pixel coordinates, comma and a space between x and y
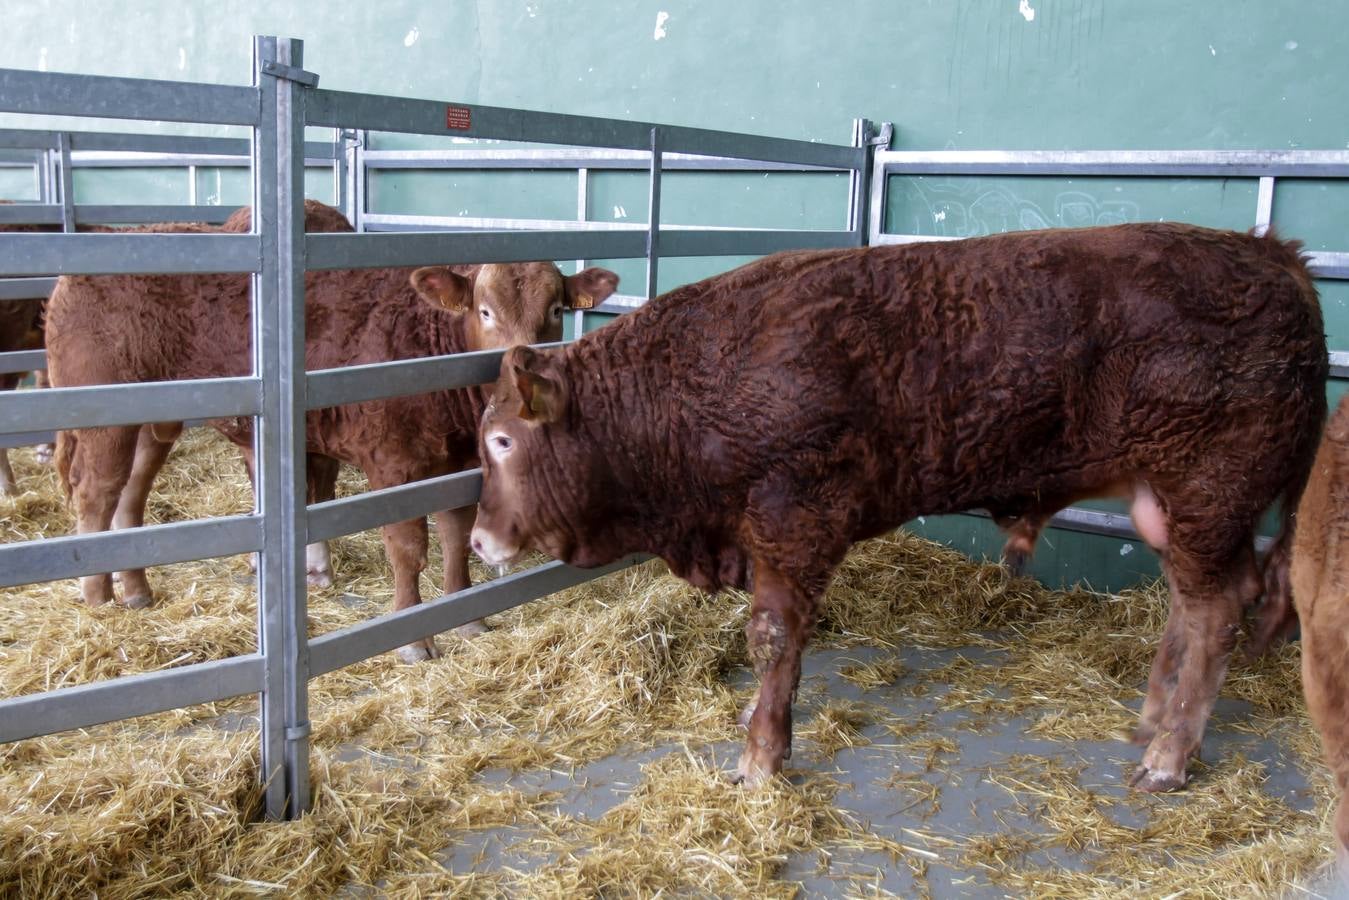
557, 311
501, 444
486, 314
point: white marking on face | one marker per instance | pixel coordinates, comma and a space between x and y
499, 445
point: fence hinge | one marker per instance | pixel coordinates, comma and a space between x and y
882, 137
291, 73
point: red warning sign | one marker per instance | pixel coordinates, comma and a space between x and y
459, 118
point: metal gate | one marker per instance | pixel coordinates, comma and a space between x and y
281, 102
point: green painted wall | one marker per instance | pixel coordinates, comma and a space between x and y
1072, 74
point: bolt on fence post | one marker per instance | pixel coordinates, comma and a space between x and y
279, 439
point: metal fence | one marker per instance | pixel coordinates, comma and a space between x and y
281, 102
1266, 165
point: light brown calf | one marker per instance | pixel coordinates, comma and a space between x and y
197, 326
1321, 594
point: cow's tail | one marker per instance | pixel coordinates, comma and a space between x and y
65, 454
1275, 618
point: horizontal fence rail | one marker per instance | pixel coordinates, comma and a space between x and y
571, 158
31, 562
355, 251
129, 404
99, 96
342, 648
1136, 163
337, 109
371, 509
113, 254
86, 705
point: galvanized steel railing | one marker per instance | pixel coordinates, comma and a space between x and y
1265, 165
282, 101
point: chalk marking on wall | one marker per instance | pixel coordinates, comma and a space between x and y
620, 212
1126, 549
1026, 11
42, 59
1290, 45
661, 18
411, 37
1211, 51
182, 59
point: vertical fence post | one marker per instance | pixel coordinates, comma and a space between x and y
67, 183
653, 216
582, 215
875, 205
859, 182
279, 439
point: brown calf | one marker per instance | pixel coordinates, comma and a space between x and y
197, 326
749, 428
1321, 591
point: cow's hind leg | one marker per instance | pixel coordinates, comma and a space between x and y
1208, 598
153, 444
8, 487
100, 465
43, 453
405, 544
453, 527
320, 485
782, 617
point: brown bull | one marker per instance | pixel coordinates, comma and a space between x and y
749, 428
197, 326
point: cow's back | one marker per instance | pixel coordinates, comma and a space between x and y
992, 373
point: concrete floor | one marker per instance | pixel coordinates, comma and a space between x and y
968, 803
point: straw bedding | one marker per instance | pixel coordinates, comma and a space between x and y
638, 660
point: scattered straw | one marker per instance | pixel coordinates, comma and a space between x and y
410, 763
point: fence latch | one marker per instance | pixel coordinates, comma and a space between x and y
291, 73
297, 732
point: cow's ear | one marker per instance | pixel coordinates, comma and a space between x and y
441, 287
541, 395
588, 289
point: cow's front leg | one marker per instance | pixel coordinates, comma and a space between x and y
781, 619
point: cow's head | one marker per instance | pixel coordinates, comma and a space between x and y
512, 303
529, 500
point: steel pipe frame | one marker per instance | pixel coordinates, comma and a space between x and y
1267, 166
274, 252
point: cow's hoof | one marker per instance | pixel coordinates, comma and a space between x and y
139, 601
472, 629
419, 652
43, 453
756, 770
319, 578
1016, 562
1156, 781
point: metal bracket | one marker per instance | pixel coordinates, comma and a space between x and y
291, 73
883, 136
297, 732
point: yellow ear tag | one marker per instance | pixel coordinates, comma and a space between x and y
583, 301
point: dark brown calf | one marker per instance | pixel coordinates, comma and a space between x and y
749, 428
197, 326
1320, 575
